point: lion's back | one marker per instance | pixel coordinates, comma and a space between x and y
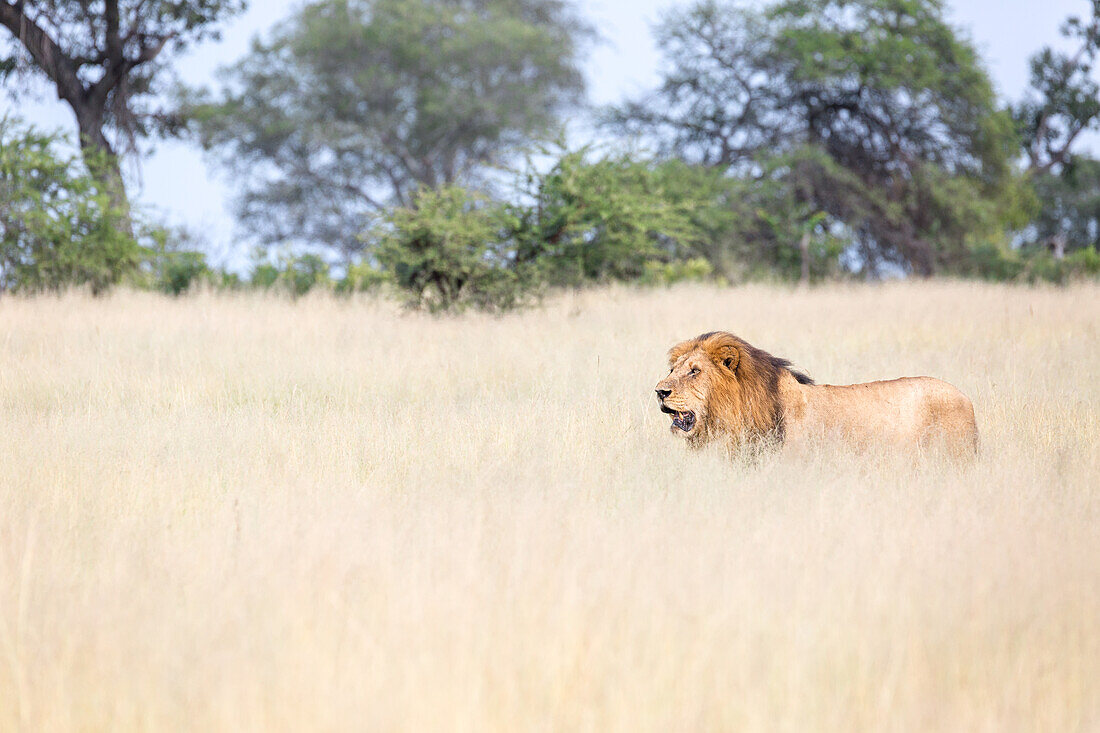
924, 410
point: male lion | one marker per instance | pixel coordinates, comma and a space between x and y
721, 387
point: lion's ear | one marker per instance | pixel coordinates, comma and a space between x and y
727, 356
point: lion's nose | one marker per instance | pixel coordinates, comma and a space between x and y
663, 393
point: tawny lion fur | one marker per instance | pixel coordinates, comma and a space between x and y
720, 387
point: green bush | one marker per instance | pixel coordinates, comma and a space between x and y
1078, 265
264, 275
295, 274
57, 226
361, 277
989, 261
305, 272
182, 270
582, 221
604, 219
695, 269
174, 264
452, 249
1000, 264
1085, 261
221, 279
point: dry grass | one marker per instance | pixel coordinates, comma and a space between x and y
239, 513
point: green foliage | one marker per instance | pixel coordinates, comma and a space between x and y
222, 279
710, 201
451, 249
1069, 205
352, 105
1042, 267
605, 219
781, 217
106, 61
892, 94
1001, 264
1085, 261
293, 273
1063, 99
875, 113
57, 225
305, 272
174, 263
182, 270
696, 269
362, 277
86, 32
582, 221
990, 261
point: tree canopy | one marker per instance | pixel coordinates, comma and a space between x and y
916, 152
1061, 103
1062, 100
352, 105
104, 59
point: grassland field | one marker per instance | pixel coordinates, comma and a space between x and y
239, 512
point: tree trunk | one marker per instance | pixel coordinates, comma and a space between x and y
804, 248
102, 163
1057, 245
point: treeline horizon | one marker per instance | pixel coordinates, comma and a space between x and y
418, 146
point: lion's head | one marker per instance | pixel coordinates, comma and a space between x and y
720, 385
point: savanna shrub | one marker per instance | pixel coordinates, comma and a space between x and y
361, 277
603, 219
291, 273
57, 225
451, 249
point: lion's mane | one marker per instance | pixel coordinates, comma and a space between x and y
745, 400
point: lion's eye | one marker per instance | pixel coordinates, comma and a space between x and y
693, 372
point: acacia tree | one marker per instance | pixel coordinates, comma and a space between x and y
352, 105
914, 152
104, 58
1062, 100
1069, 218
1061, 103
719, 102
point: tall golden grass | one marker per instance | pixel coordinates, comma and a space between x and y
241, 513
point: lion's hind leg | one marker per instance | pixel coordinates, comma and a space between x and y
949, 428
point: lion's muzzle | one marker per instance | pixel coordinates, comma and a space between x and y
684, 421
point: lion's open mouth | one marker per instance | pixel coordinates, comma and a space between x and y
680, 420
684, 421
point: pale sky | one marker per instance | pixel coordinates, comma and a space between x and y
182, 187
